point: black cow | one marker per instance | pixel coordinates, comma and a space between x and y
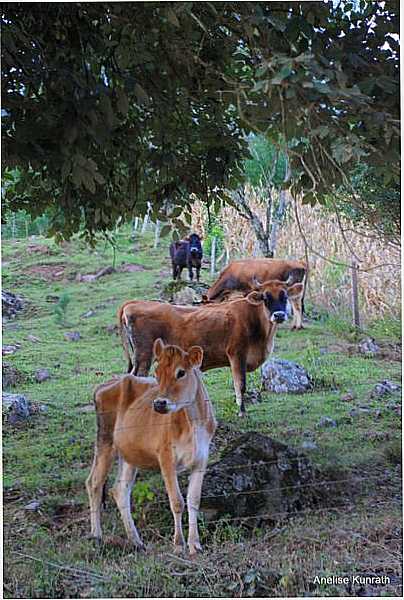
186, 253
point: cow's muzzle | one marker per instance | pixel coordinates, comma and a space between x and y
279, 316
161, 406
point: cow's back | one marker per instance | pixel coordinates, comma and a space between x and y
239, 274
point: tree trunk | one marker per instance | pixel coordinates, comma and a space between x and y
283, 202
242, 206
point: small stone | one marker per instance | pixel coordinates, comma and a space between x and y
11, 376
10, 349
89, 313
185, 296
34, 505
327, 422
72, 336
309, 445
368, 347
348, 397
33, 338
42, 375
384, 388
52, 298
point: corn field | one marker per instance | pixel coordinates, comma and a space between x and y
330, 285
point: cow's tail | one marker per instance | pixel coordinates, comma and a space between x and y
128, 340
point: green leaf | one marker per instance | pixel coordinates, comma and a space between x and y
141, 95
165, 230
122, 102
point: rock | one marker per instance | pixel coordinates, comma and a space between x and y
368, 347
10, 348
33, 505
111, 329
275, 474
185, 296
52, 298
348, 397
309, 445
326, 422
94, 276
33, 339
42, 375
171, 292
385, 388
88, 314
11, 376
284, 376
72, 336
11, 304
131, 268
17, 408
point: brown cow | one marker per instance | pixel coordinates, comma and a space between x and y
166, 423
243, 275
239, 334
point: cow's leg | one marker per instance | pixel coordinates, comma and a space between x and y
174, 271
169, 474
198, 270
179, 271
103, 458
121, 492
239, 372
193, 501
297, 313
191, 275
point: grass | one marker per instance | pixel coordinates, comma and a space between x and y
46, 553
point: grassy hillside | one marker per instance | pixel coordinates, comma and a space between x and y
48, 459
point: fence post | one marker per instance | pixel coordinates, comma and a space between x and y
157, 234
355, 295
213, 257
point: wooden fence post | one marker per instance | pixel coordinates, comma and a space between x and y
213, 257
157, 234
355, 295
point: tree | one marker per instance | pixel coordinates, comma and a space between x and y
110, 105
266, 173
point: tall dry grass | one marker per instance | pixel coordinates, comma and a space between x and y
330, 277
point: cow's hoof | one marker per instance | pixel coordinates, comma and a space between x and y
179, 549
242, 413
195, 549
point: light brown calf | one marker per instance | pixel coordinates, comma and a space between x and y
165, 423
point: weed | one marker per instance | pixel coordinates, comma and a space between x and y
60, 309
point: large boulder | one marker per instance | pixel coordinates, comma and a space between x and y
258, 476
11, 304
284, 376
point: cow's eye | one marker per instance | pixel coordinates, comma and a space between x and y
180, 373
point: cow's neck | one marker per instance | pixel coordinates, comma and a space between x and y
200, 410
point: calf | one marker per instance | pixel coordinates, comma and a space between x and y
165, 423
186, 253
239, 334
242, 276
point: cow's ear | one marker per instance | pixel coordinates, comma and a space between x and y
255, 298
158, 348
295, 290
195, 356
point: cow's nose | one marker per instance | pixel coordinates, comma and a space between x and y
279, 316
160, 406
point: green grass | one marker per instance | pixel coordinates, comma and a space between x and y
49, 459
